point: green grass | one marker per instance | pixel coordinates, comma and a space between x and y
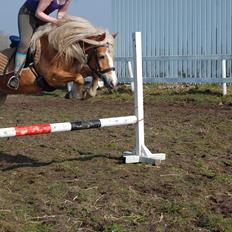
59, 190
114, 228
215, 222
178, 93
35, 227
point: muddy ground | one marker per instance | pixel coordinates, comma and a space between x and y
77, 181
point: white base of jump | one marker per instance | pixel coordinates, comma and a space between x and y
145, 157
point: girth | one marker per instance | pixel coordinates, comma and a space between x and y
41, 81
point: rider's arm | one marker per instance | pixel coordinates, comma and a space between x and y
43, 4
62, 11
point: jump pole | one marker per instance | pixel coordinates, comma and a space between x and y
140, 154
66, 126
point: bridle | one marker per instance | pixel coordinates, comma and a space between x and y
98, 71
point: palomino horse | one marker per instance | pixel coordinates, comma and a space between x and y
61, 55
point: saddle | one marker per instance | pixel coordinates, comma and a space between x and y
7, 56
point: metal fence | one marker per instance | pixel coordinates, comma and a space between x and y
183, 40
180, 69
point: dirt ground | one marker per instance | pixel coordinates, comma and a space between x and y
77, 181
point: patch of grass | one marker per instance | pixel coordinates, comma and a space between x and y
67, 166
71, 211
205, 170
81, 197
172, 207
195, 208
208, 172
215, 222
179, 172
59, 190
172, 93
114, 228
2, 215
224, 178
24, 213
228, 162
85, 212
35, 227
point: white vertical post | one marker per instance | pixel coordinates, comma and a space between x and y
138, 94
131, 75
141, 152
224, 86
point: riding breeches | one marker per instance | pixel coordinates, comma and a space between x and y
27, 24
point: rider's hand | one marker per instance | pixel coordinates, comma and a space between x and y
58, 22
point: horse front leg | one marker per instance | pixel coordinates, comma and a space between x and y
61, 77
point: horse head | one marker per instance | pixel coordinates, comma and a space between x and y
100, 59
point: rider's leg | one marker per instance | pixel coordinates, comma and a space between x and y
26, 24
20, 59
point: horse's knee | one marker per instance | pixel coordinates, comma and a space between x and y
88, 93
79, 80
92, 92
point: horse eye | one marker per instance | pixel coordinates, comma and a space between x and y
101, 57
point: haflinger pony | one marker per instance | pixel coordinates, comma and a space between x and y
69, 52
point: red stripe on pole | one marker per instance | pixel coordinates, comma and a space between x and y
33, 130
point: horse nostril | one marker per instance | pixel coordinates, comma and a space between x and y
112, 84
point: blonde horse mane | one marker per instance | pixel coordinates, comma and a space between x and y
66, 37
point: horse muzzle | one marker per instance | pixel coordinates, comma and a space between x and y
109, 83
109, 78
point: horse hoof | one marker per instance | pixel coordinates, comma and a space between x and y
68, 95
84, 95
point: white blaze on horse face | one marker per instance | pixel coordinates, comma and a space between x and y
113, 72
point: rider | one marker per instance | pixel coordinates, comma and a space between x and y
33, 14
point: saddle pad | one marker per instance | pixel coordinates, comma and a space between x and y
5, 56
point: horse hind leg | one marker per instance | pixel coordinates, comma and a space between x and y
71, 90
3, 97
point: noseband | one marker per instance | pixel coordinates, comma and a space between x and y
98, 71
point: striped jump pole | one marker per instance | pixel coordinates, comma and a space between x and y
140, 153
66, 126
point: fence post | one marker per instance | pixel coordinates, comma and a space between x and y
224, 86
131, 75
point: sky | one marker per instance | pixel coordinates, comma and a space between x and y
96, 11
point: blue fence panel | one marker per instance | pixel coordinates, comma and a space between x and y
196, 34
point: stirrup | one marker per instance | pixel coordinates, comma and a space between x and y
13, 82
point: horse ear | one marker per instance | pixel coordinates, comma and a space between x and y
114, 34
